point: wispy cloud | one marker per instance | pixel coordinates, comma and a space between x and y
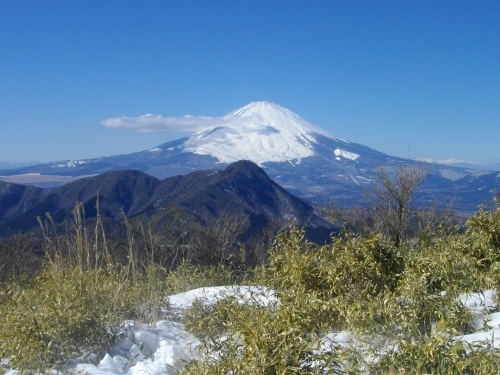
155, 123
450, 161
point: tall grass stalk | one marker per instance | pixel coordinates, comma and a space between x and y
76, 304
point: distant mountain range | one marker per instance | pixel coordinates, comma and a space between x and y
9, 165
242, 191
304, 159
463, 164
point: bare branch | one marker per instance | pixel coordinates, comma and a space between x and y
391, 197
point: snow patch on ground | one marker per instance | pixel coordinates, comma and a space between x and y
162, 349
166, 347
245, 294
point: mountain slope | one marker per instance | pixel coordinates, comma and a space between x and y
16, 201
299, 156
242, 191
261, 132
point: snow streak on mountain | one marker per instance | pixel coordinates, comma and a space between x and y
261, 132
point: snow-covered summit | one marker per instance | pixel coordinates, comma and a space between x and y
276, 115
261, 132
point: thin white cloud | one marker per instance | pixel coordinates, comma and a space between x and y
154, 123
447, 161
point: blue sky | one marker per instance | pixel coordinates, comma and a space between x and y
408, 78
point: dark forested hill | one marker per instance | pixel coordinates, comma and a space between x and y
242, 191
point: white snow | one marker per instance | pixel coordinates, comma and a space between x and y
354, 180
257, 295
166, 347
452, 174
70, 164
485, 323
162, 349
156, 149
260, 132
345, 154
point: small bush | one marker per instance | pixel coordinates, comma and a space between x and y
249, 339
438, 354
483, 235
63, 312
332, 279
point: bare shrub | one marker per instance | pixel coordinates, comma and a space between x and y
438, 219
216, 241
20, 257
356, 218
391, 196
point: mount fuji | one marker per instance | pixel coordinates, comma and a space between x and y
261, 132
304, 159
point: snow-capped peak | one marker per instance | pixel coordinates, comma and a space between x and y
276, 116
261, 132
